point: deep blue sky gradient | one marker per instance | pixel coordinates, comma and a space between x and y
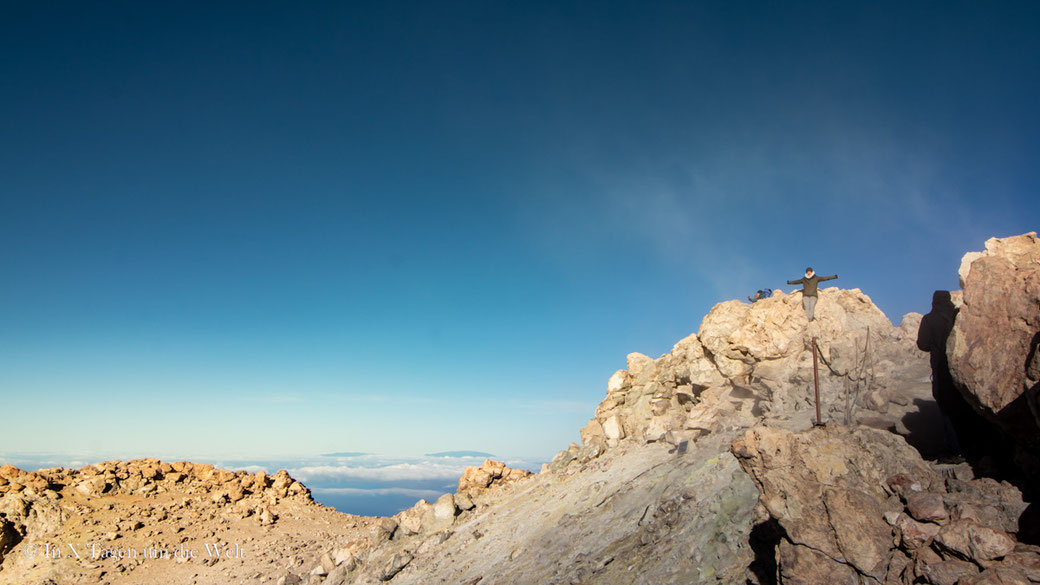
247, 229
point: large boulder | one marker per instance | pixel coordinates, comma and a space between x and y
992, 349
826, 487
853, 502
1019, 250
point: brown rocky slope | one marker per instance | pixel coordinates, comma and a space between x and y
134, 521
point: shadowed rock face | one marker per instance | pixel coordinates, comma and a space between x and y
992, 349
861, 506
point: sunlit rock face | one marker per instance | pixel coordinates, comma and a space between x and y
992, 349
753, 363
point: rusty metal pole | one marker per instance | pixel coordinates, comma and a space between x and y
816, 382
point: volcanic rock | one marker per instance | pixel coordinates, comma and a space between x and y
831, 490
993, 348
927, 507
752, 364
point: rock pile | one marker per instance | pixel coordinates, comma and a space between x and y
476, 480
859, 505
145, 476
751, 364
139, 505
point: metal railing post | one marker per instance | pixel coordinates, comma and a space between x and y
816, 382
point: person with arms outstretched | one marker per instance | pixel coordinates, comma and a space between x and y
809, 285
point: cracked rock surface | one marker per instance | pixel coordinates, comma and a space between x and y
860, 504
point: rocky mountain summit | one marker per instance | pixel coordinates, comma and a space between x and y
753, 364
701, 466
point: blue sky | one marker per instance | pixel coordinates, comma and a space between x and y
261, 229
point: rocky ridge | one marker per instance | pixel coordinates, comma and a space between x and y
701, 466
658, 491
653, 494
752, 364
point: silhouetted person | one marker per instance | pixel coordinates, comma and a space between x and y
809, 294
966, 431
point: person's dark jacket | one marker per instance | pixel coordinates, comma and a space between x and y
936, 327
809, 284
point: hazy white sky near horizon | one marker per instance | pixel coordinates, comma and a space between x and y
265, 230
360, 483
